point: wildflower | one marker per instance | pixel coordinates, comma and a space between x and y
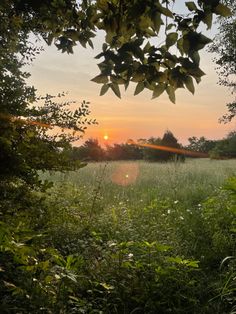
130, 256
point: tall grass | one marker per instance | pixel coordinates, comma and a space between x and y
189, 183
147, 237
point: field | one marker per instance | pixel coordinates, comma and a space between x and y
139, 183
146, 237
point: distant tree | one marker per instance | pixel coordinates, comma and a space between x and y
200, 144
149, 153
168, 140
89, 151
225, 148
123, 151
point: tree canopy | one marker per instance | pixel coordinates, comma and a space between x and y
224, 46
139, 37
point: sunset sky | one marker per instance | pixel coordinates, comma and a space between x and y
133, 116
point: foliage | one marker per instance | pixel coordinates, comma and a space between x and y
89, 151
123, 255
123, 152
26, 143
225, 148
167, 140
224, 46
161, 254
129, 52
200, 144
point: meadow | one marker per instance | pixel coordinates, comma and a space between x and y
145, 237
140, 182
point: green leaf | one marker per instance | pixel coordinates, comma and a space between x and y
137, 77
222, 10
100, 79
139, 88
104, 89
171, 93
207, 19
157, 21
193, 264
195, 57
147, 47
158, 90
189, 84
171, 39
116, 89
203, 39
191, 6
164, 11
196, 72
180, 45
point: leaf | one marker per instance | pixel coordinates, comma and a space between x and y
196, 72
186, 45
171, 93
158, 90
116, 89
157, 21
147, 47
137, 77
191, 6
90, 43
171, 39
139, 88
164, 11
203, 39
195, 57
104, 47
207, 19
100, 79
193, 264
180, 45
189, 84
222, 10
104, 89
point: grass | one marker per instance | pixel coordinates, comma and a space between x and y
138, 183
148, 237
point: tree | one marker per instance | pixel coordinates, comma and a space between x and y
200, 144
224, 46
26, 144
225, 148
89, 151
123, 151
167, 141
128, 53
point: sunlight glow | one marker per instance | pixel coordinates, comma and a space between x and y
105, 137
125, 174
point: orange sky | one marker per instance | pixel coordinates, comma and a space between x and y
133, 116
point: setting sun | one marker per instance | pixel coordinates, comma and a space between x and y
105, 137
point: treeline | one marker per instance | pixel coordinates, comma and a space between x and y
91, 150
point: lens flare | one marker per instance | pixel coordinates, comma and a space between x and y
170, 149
125, 174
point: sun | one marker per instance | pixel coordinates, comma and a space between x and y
105, 137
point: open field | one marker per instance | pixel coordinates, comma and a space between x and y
141, 182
